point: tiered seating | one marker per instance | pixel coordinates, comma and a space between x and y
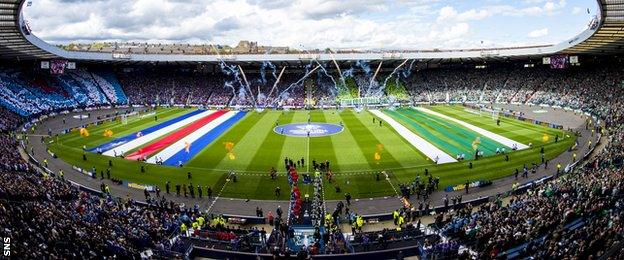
17, 96
28, 93
90, 86
109, 78
71, 86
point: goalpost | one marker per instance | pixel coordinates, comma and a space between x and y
495, 114
363, 101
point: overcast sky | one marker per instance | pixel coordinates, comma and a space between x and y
338, 24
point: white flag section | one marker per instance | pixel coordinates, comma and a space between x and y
496, 137
428, 149
136, 143
181, 144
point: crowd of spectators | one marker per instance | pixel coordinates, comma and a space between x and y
576, 215
591, 194
539, 223
171, 87
31, 93
81, 225
213, 89
8, 120
63, 222
47, 217
9, 158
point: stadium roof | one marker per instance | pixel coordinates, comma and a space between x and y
13, 44
609, 37
604, 36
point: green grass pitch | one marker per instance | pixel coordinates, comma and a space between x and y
351, 153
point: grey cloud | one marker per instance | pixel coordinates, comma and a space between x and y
335, 8
227, 24
271, 4
312, 23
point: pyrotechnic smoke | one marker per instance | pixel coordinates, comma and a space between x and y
265, 65
232, 70
394, 72
284, 93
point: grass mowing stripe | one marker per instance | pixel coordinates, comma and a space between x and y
514, 122
460, 133
510, 130
114, 125
368, 143
322, 148
514, 129
270, 153
122, 130
429, 134
318, 148
294, 148
347, 158
406, 154
347, 155
246, 136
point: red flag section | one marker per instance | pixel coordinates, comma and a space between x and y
146, 151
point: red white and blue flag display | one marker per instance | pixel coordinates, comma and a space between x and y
175, 141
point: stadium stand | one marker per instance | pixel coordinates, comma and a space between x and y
29, 93
576, 215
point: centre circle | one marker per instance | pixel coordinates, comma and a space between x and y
308, 129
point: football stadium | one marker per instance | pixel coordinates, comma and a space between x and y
381, 130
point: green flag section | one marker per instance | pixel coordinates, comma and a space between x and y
496, 137
450, 137
430, 150
524, 132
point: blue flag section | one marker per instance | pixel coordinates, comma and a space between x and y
122, 140
184, 156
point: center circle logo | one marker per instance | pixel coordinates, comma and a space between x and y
308, 129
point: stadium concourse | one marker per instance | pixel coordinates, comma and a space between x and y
576, 214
